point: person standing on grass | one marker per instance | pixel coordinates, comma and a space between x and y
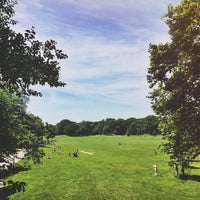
155, 166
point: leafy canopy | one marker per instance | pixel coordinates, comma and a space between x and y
174, 79
25, 61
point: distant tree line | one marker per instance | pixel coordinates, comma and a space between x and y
131, 126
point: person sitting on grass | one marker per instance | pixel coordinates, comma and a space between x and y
75, 154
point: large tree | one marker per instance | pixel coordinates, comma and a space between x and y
17, 129
174, 79
25, 61
11, 126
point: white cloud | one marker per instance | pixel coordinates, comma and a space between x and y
107, 44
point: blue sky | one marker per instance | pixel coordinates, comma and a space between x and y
107, 44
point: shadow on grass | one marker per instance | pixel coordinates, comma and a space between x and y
194, 167
12, 171
11, 187
190, 177
47, 146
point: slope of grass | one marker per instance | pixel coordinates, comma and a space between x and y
113, 172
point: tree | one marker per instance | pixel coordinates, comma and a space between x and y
109, 126
98, 127
14, 132
11, 127
136, 127
51, 131
150, 125
120, 127
86, 128
174, 77
26, 61
64, 127
132, 129
35, 125
72, 129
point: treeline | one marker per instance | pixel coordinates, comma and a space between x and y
131, 126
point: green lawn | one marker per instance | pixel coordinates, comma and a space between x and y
114, 172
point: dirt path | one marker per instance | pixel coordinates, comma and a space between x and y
86, 152
11, 160
19, 156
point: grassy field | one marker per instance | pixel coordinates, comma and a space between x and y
113, 172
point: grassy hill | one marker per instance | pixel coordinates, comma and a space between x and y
120, 168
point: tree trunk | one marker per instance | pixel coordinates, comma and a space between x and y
183, 169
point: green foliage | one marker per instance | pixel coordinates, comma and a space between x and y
33, 140
62, 126
110, 126
113, 172
18, 129
7, 11
150, 124
35, 125
145, 125
84, 128
51, 131
11, 127
174, 77
136, 128
26, 61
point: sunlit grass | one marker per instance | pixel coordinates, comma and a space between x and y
113, 172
